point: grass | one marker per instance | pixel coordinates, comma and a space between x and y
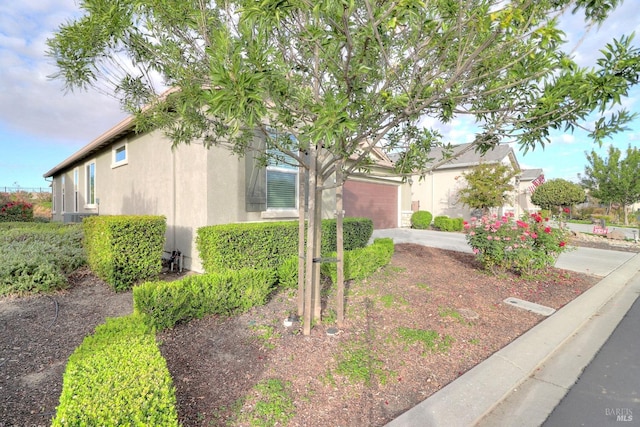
358, 364
267, 335
270, 404
452, 313
430, 339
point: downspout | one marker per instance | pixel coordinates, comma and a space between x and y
174, 202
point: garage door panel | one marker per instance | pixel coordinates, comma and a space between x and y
372, 200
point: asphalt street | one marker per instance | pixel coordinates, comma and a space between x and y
608, 391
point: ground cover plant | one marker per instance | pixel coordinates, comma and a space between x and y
37, 257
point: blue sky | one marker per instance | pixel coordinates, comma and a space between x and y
40, 125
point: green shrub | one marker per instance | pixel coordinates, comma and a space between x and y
124, 250
193, 297
269, 244
361, 263
356, 233
288, 273
444, 223
117, 377
421, 220
38, 257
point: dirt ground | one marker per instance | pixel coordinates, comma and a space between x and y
215, 362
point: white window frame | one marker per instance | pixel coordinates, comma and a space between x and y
76, 195
289, 170
54, 194
114, 151
87, 188
63, 183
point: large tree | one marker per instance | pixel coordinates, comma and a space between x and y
557, 193
614, 179
344, 77
489, 185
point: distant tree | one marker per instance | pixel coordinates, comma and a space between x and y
558, 193
489, 186
612, 179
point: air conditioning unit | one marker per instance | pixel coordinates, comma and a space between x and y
74, 217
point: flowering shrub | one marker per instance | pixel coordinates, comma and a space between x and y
16, 211
525, 246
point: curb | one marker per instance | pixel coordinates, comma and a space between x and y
465, 401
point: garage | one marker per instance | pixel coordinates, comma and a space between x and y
372, 200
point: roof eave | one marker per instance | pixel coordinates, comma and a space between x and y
100, 142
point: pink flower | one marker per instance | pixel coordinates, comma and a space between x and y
489, 237
476, 251
534, 235
472, 233
566, 210
562, 244
547, 230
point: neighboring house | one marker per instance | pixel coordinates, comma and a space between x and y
437, 191
122, 172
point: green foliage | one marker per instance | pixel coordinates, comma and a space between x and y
556, 193
361, 263
444, 223
430, 339
421, 220
271, 404
358, 364
269, 244
117, 377
489, 185
193, 297
288, 273
356, 233
37, 257
525, 246
124, 250
379, 90
612, 179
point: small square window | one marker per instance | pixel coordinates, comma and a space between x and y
119, 156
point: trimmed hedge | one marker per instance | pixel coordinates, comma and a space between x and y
421, 220
38, 257
444, 223
269, 244
125, 249
361, 263
117, 377
168, 303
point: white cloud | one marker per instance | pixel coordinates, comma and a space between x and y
29, 101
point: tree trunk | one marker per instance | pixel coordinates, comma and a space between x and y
317, 242
301, 230
311, 237
339, 246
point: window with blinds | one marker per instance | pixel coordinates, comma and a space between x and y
282, 181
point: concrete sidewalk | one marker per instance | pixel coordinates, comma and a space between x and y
522, 383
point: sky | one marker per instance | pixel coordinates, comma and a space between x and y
41, 125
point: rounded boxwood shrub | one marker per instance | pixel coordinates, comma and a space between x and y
421, 220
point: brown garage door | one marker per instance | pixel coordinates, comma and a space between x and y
372, 200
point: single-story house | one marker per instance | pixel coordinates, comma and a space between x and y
122, 172
437, 191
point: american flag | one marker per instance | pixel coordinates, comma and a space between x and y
534, 184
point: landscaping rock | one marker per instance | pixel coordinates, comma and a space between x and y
616, 235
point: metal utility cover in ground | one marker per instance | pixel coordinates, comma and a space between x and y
530, 306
